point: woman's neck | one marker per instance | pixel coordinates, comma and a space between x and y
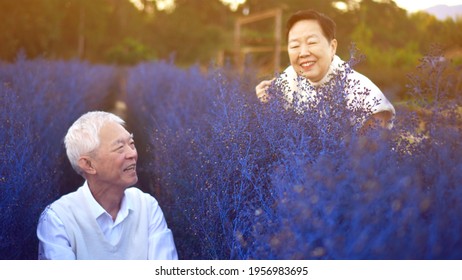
334, 67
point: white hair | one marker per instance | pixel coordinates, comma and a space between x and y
83, 136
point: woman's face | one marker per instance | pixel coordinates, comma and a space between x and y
310, 52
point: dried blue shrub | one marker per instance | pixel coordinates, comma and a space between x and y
242, 180
39, 100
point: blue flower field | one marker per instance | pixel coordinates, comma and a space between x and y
239, 179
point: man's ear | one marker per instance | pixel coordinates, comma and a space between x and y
86, 164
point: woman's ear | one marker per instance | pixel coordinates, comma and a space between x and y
333, 47
86, 165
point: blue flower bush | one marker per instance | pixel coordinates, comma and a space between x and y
39, 100
238, 179
202, 158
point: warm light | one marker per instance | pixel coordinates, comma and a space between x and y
162, 5
342, 6
137, 4
165, 5
233, 4
169, 5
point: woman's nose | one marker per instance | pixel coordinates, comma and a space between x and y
304, 50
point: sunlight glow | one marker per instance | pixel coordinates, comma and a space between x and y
169, 5
161, 5
233, 4
342, 6
413, 6
137, 4
347, 5
165, 5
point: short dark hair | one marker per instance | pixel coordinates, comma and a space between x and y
328, 26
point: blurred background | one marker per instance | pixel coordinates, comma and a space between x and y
237, 179
393, 35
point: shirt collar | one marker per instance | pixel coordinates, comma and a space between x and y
97, 210
335, 66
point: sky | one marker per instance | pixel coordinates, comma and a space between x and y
410, 5
415, 5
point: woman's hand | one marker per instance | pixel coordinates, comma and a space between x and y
261, 90
381, 119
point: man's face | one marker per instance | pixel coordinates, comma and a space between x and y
115, 159
310, 52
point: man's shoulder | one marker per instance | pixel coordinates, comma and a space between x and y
135, 191
63, 205
67, 198
135, 194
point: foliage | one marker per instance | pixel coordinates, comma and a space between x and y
57, 29
129, 52
193, 33
88, 29
39, 99
199, 31
242, 180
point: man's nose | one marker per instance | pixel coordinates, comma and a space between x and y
132, 153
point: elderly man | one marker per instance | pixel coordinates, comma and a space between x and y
106, 218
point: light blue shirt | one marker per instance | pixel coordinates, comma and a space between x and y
54, 242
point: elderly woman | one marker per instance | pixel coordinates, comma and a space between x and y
311, 49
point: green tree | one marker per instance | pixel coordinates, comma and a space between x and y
30, 25
193, 32
66, 29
